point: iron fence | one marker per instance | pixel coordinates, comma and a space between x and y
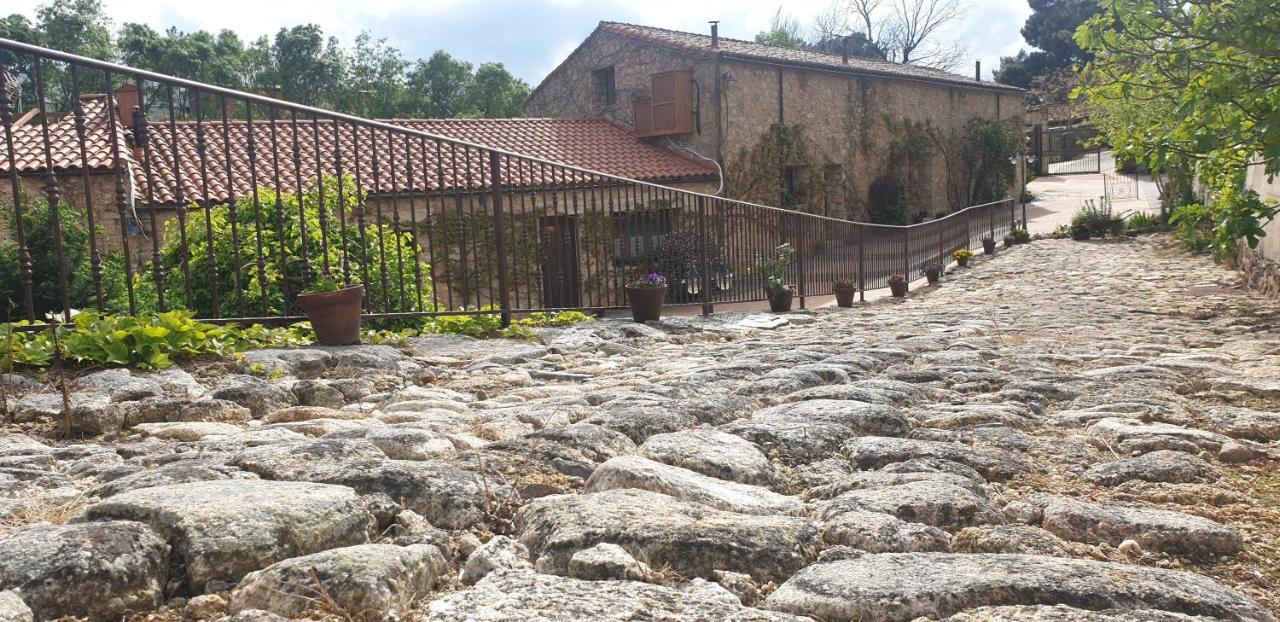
171, 193
1066, 150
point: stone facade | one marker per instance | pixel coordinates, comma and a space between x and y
845, 118
1262, 265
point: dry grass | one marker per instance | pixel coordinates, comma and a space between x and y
31, 507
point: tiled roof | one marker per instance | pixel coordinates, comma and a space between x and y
689, 42
593, 144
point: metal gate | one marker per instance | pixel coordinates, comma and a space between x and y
1066, 150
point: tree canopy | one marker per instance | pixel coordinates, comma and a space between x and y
299, 63
1192, 88
1051, 30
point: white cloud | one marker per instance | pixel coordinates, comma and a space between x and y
529, 36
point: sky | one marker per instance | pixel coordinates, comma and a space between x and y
530, 37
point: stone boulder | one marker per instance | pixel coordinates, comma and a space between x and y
258, 395
873, 452
694, 539
862, 418
645, 474
1158, 530
12, 609
223, 530
935, 503
898, 587
499, 553
605, 562
365, 582
95, 570
532, 597
874, 532
1131, 436
1162, 465
1010, 538
1063, 613
712, 453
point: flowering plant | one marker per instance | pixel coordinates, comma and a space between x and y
843, 282
775, 270
932, 266
897, 278
653, 280
963, 253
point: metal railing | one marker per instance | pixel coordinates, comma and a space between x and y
179, 194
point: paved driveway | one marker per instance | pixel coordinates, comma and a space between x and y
1059, 196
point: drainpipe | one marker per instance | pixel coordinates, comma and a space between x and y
715, 33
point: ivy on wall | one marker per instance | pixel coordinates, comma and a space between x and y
759, 174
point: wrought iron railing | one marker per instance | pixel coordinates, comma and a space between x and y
178, 194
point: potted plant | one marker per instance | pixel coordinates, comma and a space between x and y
988, 246
844, 289
775, 276
334, 311
646, 295
933, 271
898, 286
962, 257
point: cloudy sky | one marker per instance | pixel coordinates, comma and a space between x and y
529, 36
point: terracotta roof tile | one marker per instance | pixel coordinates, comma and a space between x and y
594, 144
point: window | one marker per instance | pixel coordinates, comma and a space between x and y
606, 90
795, 186
638, 236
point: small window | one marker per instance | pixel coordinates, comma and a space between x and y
606, 90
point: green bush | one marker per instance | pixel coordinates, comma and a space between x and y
888, 201
1142, 221
150, 341
37, 220
1097, 218
1236, 215
376, 252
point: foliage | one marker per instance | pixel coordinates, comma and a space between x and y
756, 174
1097, 219
963, 253
38, 228
325, 283
157, 340
1018, 235
843, 282
887, 198
1192, 90
1241, 215
933, 265
653, 280
298, 63
1142, 221
897, 278
376, 255
979, 160
1050, 28
774, 270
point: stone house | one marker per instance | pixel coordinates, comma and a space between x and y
843, 119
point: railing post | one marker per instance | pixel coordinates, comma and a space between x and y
862, 262
500, 236
800, 238
906, 253
705, 272
991, 218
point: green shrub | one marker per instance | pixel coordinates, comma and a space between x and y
1142, 221
1236, 215
1097, 218
887, 201
37, 220
150, 341
241, 283
1018, 235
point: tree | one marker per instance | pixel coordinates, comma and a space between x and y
494, 92
1051, 29
903, 31
1192, 87
376, 74
784, 31
437, 87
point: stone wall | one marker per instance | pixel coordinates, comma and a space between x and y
1262, 265
845, 118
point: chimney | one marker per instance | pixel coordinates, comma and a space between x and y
715, 33
844, 50
126, 101
977, 70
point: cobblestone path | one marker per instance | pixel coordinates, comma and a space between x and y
1065, 432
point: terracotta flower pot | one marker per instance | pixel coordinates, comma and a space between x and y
933, 275
989, 247
963, 261
781, 303
646, 303
898, 289
335, 316
844, 296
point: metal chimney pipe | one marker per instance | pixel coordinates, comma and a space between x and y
715, 33
844, 50
977, 70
